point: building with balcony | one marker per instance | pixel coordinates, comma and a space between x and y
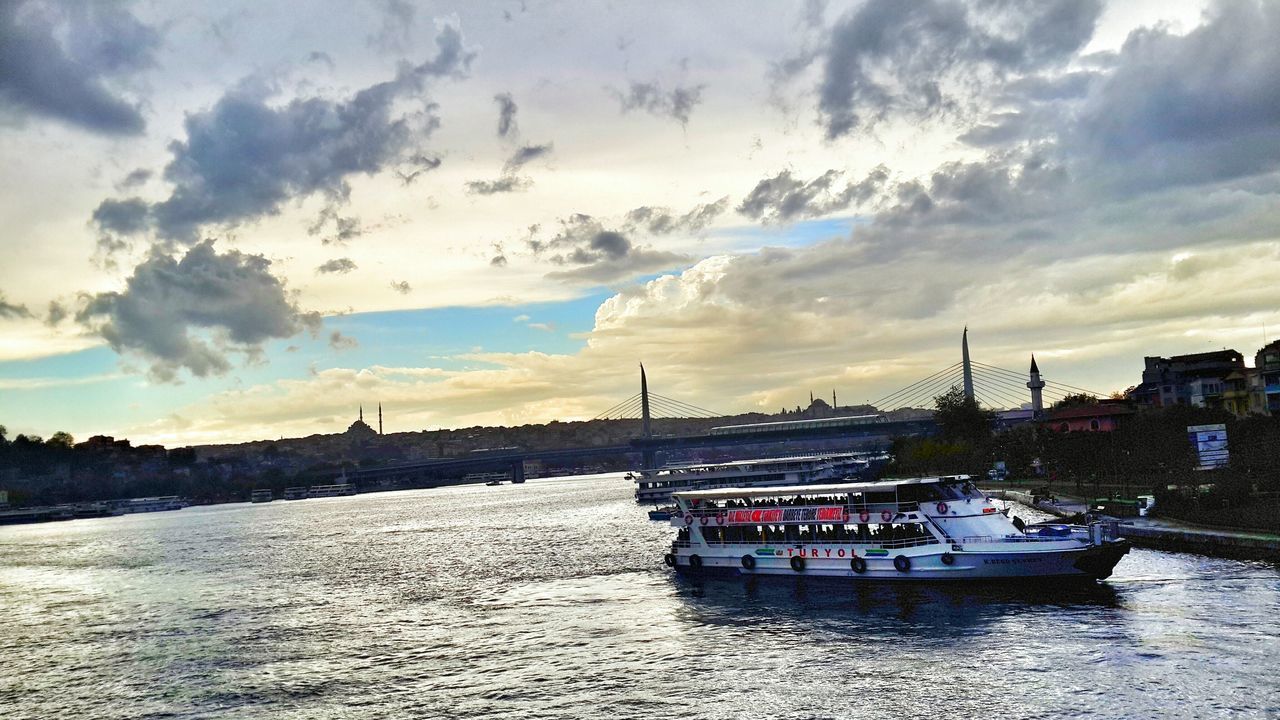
1265, 388
1198, 379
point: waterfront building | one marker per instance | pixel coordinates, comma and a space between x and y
1265, 386
1105, 416
1197, 379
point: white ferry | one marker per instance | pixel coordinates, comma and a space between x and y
323, 491
150, 504
921, 528
261, 496
656, 487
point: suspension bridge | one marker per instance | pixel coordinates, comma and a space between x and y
991, 386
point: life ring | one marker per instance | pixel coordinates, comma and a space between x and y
858, 565
942, 508
704, 520
864, 516
901, 563
688, 519
669, 559
797, 563
885, 515
948, 559
695, 561
719, 518
748, 562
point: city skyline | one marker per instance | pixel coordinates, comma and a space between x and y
239, 223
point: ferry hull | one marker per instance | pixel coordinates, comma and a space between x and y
1092, 562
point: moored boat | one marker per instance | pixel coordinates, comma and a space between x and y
656, 486
931, 528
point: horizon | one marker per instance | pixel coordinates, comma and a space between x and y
229, 224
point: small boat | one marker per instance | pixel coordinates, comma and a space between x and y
933, 528
493, 483
295, 493
662, 514
261, 496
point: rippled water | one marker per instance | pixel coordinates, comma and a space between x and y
551, 600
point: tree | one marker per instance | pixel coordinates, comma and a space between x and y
959, 417
1076, 400
61, 440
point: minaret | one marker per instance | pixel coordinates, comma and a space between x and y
833, 398
362, 413
810, 397
968, 369
379, 418
1036, 385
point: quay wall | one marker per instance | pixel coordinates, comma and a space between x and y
1200, 540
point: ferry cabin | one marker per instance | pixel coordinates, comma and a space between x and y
939, 527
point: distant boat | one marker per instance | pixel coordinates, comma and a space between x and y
295, 493
655, 486
322, 491
150, 504
488, 478
493, 483
261, 496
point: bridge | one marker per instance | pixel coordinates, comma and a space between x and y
984, 384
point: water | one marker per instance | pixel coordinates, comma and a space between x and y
551, 600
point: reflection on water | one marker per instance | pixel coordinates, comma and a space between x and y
550, 600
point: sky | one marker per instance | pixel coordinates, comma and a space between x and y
241, 220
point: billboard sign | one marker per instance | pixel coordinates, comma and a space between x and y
1210, 442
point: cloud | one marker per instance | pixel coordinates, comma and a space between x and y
340, 342
525, 154
651, 97
783, 198
345, 228
243, 158
396, 32
69, 62
401, 287
504, 184
57, 313
10, 311
595, 253
417, 165
190, 313
123, 217
886, 58
662, 221
507, 127
338, 265
134, 179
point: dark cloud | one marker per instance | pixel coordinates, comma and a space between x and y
134, 179
417, 165
525, 154
504, 184
651, 97
10, 311
344, 228
401, 287
67, 62
662, 221
57, 313
123, 217
595, 253
1182, 109
506, 116
783, 198
498, 261
190, 313
243, 158
889, 58
340, 342
337, 265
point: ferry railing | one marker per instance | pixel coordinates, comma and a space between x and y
873, 511
969, 539
805, 542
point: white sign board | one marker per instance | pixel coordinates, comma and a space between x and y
1210, 442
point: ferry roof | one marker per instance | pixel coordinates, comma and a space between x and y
835, 489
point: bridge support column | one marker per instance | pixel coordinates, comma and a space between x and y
517, 471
